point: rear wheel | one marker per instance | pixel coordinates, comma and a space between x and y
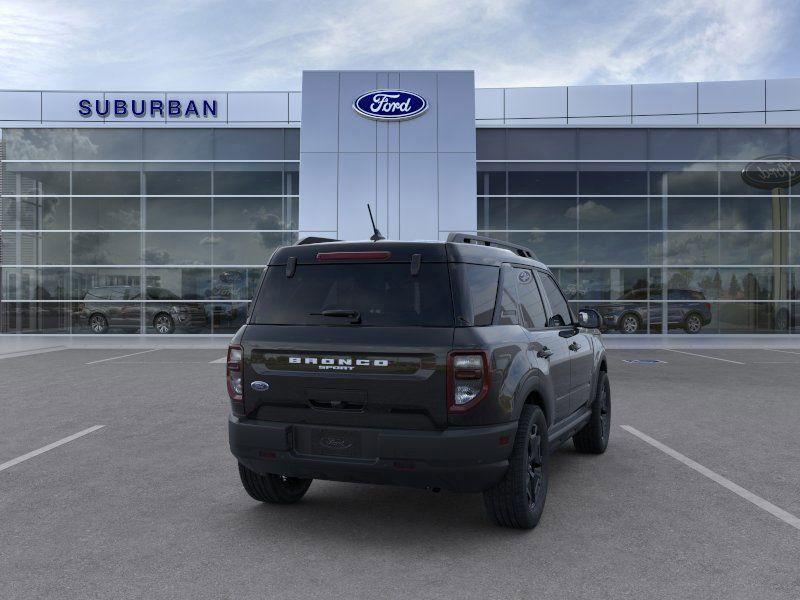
163, 323
593, 438
275, 489
518, 500
98, 323
629, 323
693, 323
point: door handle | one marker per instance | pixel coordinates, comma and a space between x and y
545, 352
574, 346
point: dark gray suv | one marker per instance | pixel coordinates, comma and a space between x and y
454, 365
120, 307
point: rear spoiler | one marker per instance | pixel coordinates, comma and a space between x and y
315, 240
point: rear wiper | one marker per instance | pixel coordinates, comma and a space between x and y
353, 315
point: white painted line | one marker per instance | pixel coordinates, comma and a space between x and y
736, 362
94, 362
784, 351
717, 478
31, 352
224, 359
43, 449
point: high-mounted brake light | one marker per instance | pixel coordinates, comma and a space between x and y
371, 255
233, 376
468, 379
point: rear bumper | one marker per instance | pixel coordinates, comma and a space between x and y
469, 459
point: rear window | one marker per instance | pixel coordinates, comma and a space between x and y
476, 293
384, 295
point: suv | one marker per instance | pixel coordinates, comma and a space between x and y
101, 310
454, 365
686, 309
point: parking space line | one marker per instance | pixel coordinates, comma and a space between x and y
43, 449
20, 353
775, 511
784, 351
224, 359
94, 362
736, 362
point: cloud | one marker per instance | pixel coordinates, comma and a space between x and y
266, 45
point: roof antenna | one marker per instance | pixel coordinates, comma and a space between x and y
376, 236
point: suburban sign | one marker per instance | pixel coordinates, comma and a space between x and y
773, 171
390, 105
154, 107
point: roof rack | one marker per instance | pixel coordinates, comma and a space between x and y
479, 240
314, 240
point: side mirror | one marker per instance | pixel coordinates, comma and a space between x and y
589, 318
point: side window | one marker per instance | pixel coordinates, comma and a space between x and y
561, 315
530, 300
508, 298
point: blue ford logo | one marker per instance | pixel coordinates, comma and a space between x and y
390, 105
260, 386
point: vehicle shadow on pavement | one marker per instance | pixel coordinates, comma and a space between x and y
397, 515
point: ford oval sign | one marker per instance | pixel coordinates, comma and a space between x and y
390, 105
770, 172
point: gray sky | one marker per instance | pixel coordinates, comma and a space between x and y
261, 45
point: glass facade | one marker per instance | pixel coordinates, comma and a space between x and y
141, 230
651, 226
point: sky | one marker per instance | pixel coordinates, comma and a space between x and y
204, 45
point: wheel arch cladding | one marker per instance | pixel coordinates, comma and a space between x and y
536, 394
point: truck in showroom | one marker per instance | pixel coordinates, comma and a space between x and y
454, 365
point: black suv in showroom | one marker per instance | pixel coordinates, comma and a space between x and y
451, 365
686, 309
105, 307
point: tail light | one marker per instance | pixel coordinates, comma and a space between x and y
233, 375
468, 379
708, 306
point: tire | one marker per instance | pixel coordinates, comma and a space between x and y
274, 489
518, 500
98, 323
629, 323
163, 323
593, 438
693, 323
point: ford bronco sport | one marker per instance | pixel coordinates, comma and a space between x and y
455, 365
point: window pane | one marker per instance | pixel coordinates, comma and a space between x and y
116, 183
522, 182
542, 144
248, 144
173, 183
750, 143
106, 248
247, 248
683, 144
612, 144
177, 144
186, 284
613, 284
248, 182
558, 305
234, 283
542, 213
747, 248
251, 213
40, 213
179, 248
105, 283
754, 213
530, 300
614, 248
178, 213
492, 214
105, 213
550, 248
693, 248
490, 144
47, 248
107, 144
38, 144
509, 314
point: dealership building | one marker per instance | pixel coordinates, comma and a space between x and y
651, 203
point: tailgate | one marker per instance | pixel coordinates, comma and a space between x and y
388, 377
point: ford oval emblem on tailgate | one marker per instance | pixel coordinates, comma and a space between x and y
335, 443
260, 386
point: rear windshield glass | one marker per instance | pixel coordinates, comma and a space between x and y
382, 294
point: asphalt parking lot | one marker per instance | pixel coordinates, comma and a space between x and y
150, 505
